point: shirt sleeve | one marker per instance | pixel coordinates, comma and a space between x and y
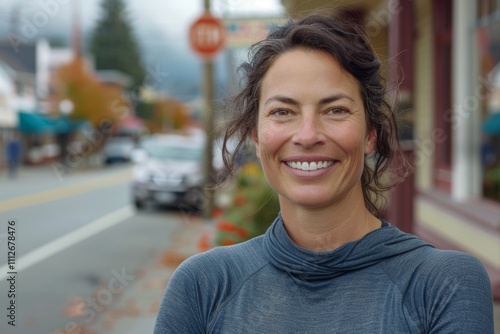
459, 296
180, 309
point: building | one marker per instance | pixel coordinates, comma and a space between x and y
8, 116
444, 56
32, 67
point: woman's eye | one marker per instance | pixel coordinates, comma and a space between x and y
337, 111
280, 112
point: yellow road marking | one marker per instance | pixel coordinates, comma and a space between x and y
64, 191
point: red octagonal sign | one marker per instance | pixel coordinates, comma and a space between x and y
206, 36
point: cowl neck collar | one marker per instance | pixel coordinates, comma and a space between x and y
311, 266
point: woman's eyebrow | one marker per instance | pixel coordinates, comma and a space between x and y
334, 98
291, 101
283, 99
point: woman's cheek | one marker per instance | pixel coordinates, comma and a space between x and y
269, 132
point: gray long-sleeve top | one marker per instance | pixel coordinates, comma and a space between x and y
387, 282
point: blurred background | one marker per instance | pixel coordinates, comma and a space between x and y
111, 114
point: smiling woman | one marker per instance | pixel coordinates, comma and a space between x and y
325, 124
314, 106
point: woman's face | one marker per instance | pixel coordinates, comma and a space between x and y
311, 134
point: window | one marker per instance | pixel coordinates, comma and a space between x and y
489, 54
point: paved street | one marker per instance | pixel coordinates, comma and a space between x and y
79, 247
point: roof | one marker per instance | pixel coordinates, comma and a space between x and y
21, 58
6, 71
114, 77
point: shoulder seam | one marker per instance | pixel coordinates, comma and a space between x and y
418, 324
219, 310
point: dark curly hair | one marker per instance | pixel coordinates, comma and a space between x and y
349, 45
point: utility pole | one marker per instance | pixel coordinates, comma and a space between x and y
208, 92
206, 37
76, 38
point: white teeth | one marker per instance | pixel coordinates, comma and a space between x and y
310, 166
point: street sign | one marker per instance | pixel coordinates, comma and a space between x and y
243, 32
206, 36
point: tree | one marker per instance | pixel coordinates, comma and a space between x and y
167, 115
113, 44
92, 100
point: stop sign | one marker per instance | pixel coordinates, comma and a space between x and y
206, 36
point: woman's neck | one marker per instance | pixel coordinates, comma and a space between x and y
324, 229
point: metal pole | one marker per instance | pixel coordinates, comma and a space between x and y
208, 92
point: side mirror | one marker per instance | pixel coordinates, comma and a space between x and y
139, 155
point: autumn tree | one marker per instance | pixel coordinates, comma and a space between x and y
168, 115
113, 44
92, 100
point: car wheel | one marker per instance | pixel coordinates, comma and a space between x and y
139, 204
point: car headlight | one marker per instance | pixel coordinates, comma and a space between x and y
141, 174
193, 179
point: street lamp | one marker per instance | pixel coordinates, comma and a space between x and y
66, 107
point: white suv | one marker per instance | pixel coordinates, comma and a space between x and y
169, 171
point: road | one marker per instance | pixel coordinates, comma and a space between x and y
79, 245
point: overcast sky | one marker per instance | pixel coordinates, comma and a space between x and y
161, 26
152, 19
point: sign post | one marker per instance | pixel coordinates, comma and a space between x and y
206, 37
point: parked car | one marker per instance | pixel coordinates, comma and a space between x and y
168, 171
118, 149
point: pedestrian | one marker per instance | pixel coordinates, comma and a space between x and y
13, 154
314, 104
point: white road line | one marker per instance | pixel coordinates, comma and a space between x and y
70, 239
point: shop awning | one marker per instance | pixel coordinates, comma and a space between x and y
37, 123
491, 124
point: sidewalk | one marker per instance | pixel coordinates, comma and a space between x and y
136, 309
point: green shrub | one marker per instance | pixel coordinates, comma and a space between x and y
254, 207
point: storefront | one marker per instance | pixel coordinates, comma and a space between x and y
43, 136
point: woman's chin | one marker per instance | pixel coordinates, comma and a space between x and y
309, 200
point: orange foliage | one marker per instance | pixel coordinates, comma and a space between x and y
204, 242
228, 242
92, 100
169, 115
232, 228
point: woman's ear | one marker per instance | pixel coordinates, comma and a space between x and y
371, 141
255, 140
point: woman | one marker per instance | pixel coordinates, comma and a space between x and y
314, 107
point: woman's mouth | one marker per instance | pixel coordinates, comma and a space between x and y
309, 166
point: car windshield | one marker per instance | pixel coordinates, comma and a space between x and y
119, 141
174, 152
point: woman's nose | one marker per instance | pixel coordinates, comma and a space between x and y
309, 132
